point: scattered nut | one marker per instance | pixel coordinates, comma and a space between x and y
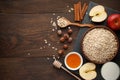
65, 46
59, 32
70, 39
66, 36
70, 31
62, 39
60, 52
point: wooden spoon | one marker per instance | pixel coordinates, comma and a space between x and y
63, 22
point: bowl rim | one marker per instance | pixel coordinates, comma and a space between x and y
104, 27
73, 52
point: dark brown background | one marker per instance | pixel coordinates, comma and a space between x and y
24, 25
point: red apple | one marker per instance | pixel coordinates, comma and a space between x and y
113, 21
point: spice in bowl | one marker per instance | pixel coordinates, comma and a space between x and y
73, 61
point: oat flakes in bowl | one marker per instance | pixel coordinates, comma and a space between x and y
100, 44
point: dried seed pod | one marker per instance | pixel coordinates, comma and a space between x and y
70, 39
70, 31
59, 32
66, 36
65, 46
62, 39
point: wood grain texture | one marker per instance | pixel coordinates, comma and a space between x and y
25, 33
30, 69
34, 6
24, 27
46, 6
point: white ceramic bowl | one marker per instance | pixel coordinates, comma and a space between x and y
110, 71
72, 60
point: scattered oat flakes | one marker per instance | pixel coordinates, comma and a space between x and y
48, 58
69, 27
53, 30
58, 17
54, 24
72, 9
68, 6
45, 41
49, 44
53, 13
28, 54
56, 49
53, 47
69, 11
41, 47
56, 27
54, 57
51, 21
58, 57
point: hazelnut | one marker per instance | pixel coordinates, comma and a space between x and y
62, 39
59, 32
60, 52
66, 36
70, 39
70, 31
65, 46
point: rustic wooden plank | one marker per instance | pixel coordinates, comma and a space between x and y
24, 34
24, 25
30, 69
46, 6
34, 6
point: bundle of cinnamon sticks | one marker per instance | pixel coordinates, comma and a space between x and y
79, 11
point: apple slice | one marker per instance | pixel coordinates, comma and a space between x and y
100, 17
87, 71
98, 14
96, 10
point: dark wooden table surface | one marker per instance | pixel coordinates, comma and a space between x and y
28, 39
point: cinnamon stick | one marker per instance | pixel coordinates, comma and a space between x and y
80, 11
85, 6
85, 10
76, 12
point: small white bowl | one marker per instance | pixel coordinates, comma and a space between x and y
110, 71
73, 60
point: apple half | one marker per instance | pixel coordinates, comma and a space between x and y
98, 13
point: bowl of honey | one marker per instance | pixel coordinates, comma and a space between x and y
73, 60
